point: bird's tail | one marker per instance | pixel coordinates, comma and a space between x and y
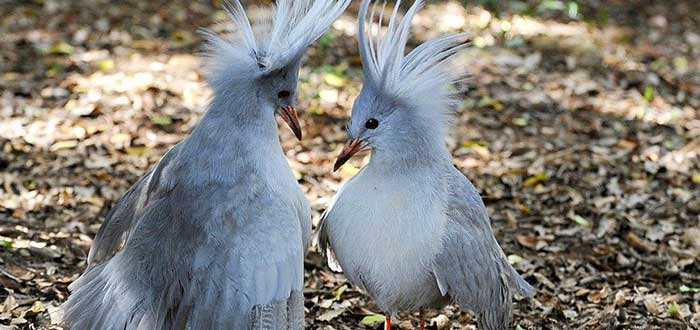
100, 302
524, 289
287, 315
499, 316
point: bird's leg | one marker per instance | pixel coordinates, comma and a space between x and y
387, 322
421, 321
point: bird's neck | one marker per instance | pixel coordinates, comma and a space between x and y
424, 155
237, 130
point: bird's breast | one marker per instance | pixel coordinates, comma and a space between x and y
386, 237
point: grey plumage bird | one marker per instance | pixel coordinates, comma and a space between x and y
409, 228
214, 236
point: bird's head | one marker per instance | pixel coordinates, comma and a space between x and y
264, 59
278, 89
406, 99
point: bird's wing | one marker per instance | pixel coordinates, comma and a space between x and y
322, 241
471, 268
277, 288
122, 217
256, 277
198, 258
322, 236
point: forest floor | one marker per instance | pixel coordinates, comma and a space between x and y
580, 127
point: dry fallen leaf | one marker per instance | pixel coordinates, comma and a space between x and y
527, 241
440, 322
639, 243
581, 135
331, 314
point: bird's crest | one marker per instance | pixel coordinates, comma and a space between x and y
422, 76
274, 42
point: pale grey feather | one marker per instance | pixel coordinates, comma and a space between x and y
118, 223
409, 228
323, 243
120, 219
471, 268
214, 236
322, 239
422, 76
294, 25
199, 257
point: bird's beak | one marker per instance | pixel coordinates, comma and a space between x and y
289, 115
350, 149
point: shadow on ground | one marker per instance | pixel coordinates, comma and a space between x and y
582, 133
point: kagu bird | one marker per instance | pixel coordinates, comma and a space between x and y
409, 228
214, 236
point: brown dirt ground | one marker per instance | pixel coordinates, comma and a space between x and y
580, 127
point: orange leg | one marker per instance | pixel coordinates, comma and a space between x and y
421, 321
387, 322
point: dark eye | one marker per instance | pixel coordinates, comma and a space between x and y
283, 94
372, 123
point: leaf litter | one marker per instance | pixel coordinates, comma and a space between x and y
580, 126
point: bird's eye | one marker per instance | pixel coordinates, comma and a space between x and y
372, 123
283, 94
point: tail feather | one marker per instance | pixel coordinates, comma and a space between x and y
287, 314
495, 319
97, 303
269, 316
524, 289
499, 314
295, 311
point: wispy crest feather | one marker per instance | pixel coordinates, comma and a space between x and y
295, 24
422, 75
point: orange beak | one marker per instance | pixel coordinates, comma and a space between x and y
350, 149
289, 115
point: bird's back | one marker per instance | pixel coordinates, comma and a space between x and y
196, 256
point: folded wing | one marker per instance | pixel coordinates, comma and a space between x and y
171, 256
472, 269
